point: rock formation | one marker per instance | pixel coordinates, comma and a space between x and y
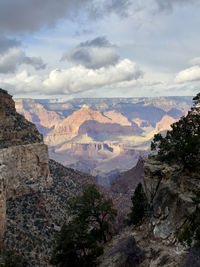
23, 155
169, 190
33, 190
127, 124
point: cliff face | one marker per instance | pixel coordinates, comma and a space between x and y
23, 156
34, 191
169, 190
34, 218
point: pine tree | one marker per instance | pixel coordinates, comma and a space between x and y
181, 144
140, 206
79, 242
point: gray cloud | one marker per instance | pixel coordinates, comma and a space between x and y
14, 58
6, 43
93, 54
100, 41
168, 5
28, 16
101, 8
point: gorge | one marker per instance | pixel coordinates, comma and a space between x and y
102, 136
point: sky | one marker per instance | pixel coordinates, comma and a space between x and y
99, 48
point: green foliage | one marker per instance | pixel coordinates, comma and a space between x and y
11, 259
191, 229
93, 208
76, 246
196, 99
185, 237
79, 242
182, 143
140, 206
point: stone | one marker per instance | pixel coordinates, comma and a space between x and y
23, 155
169, 190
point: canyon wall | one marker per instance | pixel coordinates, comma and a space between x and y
101, 135
23, 156
169, 190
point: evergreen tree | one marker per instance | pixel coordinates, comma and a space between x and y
79, 241
76, 246
182, 143
94, 209
140, 206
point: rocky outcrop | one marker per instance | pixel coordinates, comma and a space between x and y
36, 113
165, 123
33, 219
34, 191
122, 252
169, 190
23, 156
14, 128
137, 247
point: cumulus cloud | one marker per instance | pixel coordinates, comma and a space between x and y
93, 54
75, 79
188, 75
10, 61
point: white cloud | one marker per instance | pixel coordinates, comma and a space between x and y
195, 61
188, 75
75, 79
14, 58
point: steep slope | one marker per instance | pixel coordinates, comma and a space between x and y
33, 199
127, 181
36, 113
23, 155
33, 219
122, 188
172, 186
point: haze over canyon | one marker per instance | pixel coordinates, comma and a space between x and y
102, 136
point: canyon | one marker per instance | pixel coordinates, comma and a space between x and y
102, 136
34, 193
33, 189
